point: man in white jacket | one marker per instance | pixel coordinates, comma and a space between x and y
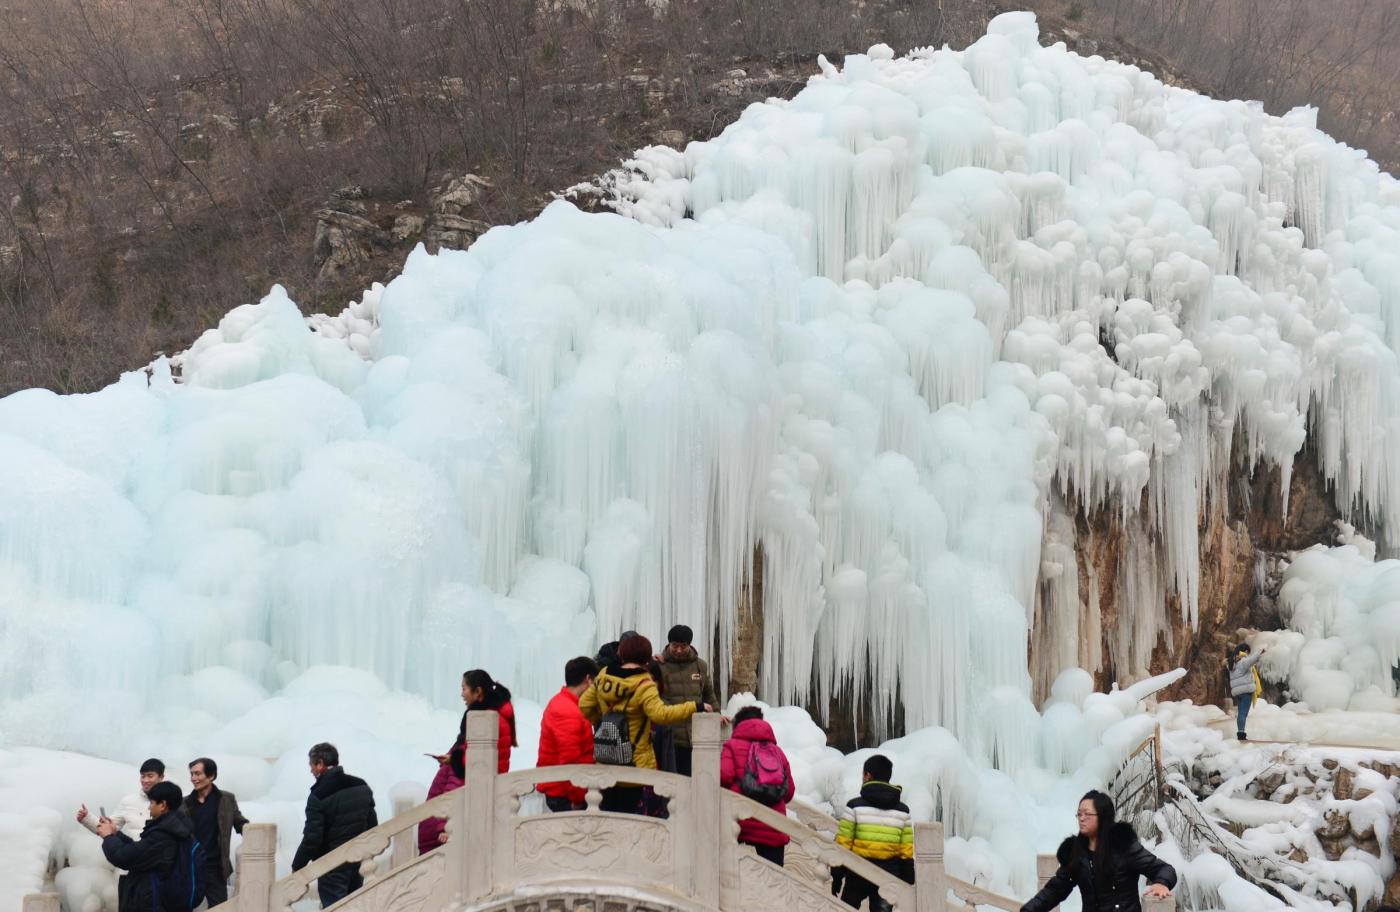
132, 812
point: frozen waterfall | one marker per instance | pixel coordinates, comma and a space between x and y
898, 332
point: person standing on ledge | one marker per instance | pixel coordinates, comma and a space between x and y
339, 808
1245, 685
1104, 860
687, 680
214, 815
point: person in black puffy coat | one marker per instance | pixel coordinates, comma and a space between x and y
339, 808
1104, 861
152, 857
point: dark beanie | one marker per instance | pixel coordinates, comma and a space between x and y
680, 634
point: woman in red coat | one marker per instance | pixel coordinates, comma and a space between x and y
751, 733
478, 692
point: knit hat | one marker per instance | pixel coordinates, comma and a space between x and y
680, 634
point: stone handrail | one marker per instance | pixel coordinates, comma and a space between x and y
365, 847
497, 859
828, 854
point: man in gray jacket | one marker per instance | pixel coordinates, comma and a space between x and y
686, 679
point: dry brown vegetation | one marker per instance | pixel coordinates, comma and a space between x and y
1340, 56
164, 160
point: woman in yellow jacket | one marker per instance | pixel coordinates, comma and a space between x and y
626, 686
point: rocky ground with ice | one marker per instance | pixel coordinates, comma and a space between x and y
903, 335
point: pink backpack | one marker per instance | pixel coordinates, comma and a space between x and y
765, 778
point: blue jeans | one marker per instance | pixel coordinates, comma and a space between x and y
1242, 704
338, 883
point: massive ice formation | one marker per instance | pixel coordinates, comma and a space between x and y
1186, 287
896, 331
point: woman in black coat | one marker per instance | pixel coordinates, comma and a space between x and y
1104, 861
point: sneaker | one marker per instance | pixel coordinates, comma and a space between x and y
1239, 735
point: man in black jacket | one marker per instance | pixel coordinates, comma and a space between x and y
339, 808
154, 853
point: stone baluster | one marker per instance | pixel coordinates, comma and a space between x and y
706, 804
406, 843
930, 879
1045, 868
40, 902
471, 825
1159, 905
257, 868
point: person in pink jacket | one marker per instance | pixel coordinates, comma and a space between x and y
764, 776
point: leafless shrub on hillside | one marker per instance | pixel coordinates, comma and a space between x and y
1338, 56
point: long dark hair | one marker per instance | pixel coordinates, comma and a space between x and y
1234, 657
494, 696
1103, 806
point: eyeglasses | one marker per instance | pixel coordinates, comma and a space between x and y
1082, 814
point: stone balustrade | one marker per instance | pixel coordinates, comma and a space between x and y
498, 859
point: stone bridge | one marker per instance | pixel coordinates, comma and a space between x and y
500, 860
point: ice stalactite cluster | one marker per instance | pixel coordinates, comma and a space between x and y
1193, 286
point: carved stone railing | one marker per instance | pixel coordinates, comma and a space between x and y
497, 859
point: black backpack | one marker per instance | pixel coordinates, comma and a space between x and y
183, 888
612, 741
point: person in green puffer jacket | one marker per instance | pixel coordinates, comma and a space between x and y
687, 680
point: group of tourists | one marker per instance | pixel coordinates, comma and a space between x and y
627, 706
183, 839
174, 849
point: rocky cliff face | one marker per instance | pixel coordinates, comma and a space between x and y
1245, 538
1244, 544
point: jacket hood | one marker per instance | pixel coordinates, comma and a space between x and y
1120, 837
173, 823
881, 794
754, 730
615, 670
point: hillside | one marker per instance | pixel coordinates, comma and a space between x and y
165, 162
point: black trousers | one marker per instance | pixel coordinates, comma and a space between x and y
622, 799
683, 760
558, 805
770, 853
338, 883
215, 887
855, 889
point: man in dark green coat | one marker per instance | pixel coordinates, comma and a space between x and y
686, 680
339, 808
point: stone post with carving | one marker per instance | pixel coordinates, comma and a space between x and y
705, 806
470, 846
1045, 868
930, 881
406, 843
40, 902
257, 868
